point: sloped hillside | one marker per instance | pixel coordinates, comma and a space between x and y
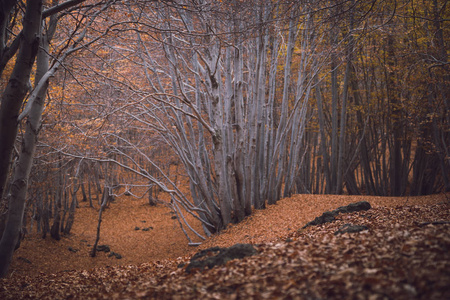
403, 252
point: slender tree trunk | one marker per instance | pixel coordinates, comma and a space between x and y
104, 203
334, 119
46, 216
73, 206
219, 158
323, 139
343, 118
23, 168
6, 53
239, 160
363, 151
277, 162
395, 169
18, 86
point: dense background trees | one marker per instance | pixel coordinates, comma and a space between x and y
226, 106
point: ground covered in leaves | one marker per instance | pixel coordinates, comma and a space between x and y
403, 254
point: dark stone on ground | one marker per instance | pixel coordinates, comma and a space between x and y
104, 248
215, 256
353, 207
326, 217
147, 228
72, 249
329, 216
349, 228
117, 255
136, 228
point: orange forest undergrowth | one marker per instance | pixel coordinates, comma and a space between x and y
405, 254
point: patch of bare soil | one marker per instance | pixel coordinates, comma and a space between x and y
405, 254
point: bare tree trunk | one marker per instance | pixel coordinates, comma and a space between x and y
18, 85
334, 117
23, 168
152, 201
299, 112
395, 169
277, 161
72, 208
105, 199
33, 42
323, 140
257, 137
46, 216
239, 158
343, 118
6, 53
364, 151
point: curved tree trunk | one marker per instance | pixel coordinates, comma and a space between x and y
18, 85
9, 111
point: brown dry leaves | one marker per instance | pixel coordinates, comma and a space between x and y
165, 240
405, 254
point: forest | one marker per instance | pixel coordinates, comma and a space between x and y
216, 109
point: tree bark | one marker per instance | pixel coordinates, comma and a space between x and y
104, 203
277, 161
11, 102
18, 86
6, 52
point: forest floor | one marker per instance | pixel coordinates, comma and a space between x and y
405, 254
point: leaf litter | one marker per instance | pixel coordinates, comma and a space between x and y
404, 254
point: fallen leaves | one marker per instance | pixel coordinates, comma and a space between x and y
405, 254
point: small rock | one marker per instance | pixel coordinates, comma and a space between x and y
329, 216
137, 228
218, 256
72, 250
104, 248
326, 217
115, 254
353, 207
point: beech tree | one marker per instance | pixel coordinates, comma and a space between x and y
233, 87
211, 91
